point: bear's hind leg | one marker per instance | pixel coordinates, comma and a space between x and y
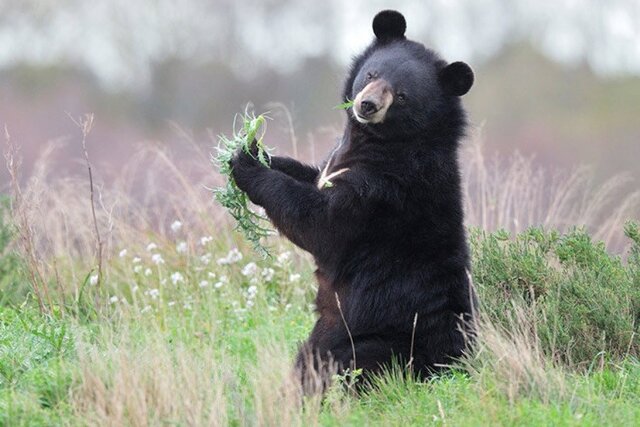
317, 367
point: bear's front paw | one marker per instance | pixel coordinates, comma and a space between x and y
244, 168
243, 158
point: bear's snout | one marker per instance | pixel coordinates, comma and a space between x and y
372, 102
368, 107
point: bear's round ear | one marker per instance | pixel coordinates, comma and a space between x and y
389, 24
456, 78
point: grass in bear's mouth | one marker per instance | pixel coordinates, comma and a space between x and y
345, 105
250, 223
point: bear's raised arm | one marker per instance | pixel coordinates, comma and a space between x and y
295, 169
307, 216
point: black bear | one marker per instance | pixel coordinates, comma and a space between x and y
383, 217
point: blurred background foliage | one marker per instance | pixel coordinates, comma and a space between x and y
559, 80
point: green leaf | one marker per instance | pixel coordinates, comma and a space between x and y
344, 106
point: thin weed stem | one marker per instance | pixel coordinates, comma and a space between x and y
353, 346
85, 124
413, 338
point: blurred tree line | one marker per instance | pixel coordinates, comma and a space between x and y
559, 79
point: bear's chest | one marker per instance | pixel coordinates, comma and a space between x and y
333, 167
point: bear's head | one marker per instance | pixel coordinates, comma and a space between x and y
399, 87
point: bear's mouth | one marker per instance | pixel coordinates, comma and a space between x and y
372, 103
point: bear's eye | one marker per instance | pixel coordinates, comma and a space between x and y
401, 97
369, 76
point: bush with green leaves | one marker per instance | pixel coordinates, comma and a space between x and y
586, 302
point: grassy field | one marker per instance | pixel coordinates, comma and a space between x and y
178, 322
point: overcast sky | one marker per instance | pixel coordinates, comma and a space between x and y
118, 40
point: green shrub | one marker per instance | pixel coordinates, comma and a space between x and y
585, 301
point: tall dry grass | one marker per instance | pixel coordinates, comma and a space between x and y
58, 215
139, 198
514, 192
512, 361
147, 381
152, 384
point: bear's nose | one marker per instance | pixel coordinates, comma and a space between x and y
368, 108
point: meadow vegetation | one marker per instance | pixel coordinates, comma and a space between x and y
187, 325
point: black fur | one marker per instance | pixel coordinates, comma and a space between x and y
388, 235
389, 24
